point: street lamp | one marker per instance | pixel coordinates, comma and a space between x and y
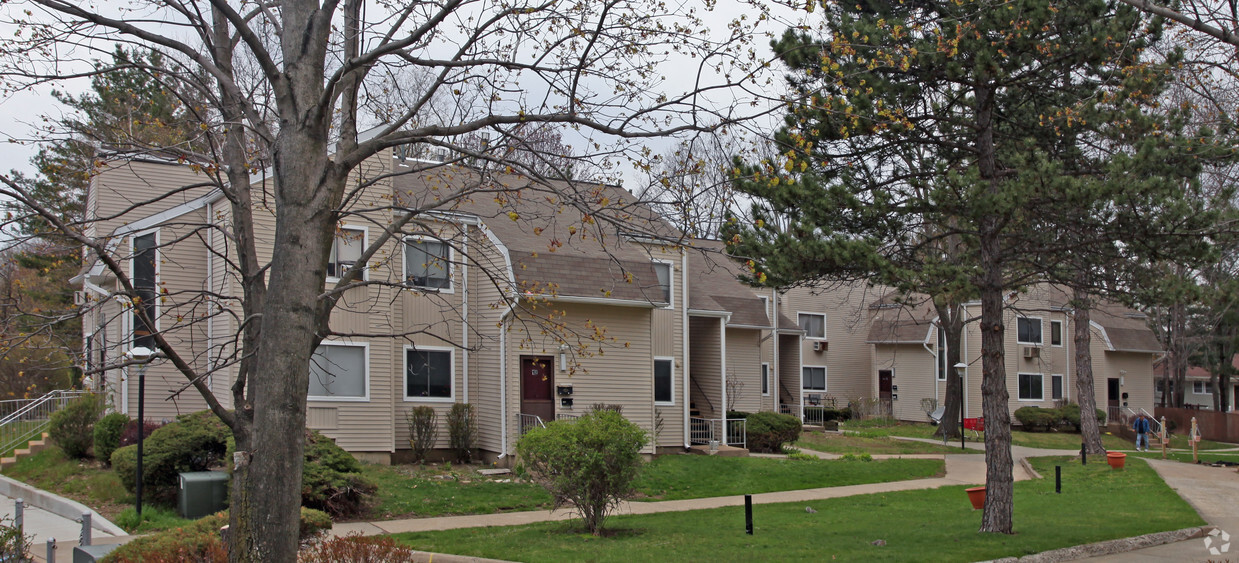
144, 355
959, 374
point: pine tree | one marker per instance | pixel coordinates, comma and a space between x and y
938, 147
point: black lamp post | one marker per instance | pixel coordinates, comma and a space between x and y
144, 355
959, 374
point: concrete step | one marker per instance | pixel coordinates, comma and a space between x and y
723, 451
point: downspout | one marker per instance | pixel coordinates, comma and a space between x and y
937, 360
1068, 376
722, 361
464, 317
503, 381
210, 333
777, 361
684, 342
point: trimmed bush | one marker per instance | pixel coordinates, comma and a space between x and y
588, 463
73, 426
107, 435
331, 478
1037, 419
198, 541
733, 415
423, 431
313, 522
462, 426
768, 431
195, 442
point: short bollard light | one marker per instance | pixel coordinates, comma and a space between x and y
748, 514
1058, 479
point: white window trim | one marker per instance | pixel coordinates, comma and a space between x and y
1062, 336
766, 375
1066, 396
939, 373
765, 306
404, 374
825, 332
1017, 387
670, 282
451, 270
825, 380
133, 318
365, 369
365, 242
1040, 321
1204, 388
671, 361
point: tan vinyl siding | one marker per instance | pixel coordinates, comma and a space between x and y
912, 367
705, 355
120, 186
744, 364
847, 355
788, 380
616, 370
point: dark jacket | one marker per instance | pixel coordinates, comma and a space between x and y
1141, 425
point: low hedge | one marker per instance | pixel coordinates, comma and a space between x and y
1064, 419
195, 442
768, 431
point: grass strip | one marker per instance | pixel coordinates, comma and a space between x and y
1097, 504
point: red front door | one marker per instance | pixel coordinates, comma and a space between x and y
884, 391
537, 384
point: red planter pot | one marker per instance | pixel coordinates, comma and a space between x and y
1116, 459
977, 496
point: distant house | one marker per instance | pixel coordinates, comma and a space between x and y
905, 367
1199, 388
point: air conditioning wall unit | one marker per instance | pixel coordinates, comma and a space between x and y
819, 345
1032, 352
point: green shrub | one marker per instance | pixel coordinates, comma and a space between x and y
331, 478
195, 442
313, 522
734, 415
853, 457
199, 541
462, 426
802, 456
107, 435
14, 545
1037, 419
588, 463
423, 431
73, 426
768, 431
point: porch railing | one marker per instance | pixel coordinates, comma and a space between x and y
811, 415
565, 416
1113, 414
25, 419
731, 431
527, 422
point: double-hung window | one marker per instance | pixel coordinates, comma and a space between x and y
665, 282
1028, 331
346, 250
428, 374
813, 378
338, 372
1056, 333
427, 263
1032, 387
813, 325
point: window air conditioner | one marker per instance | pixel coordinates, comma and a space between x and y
819, 345
1032, 352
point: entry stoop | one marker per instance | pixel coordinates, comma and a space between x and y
723, 451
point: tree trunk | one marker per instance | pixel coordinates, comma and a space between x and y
951, 317
1178, 323
999, 482
1086, 395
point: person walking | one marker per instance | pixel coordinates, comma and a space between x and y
1141, 426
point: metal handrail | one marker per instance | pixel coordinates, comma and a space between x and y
526, 422
705, 430
32, 418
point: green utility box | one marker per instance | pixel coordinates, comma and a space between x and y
202, 493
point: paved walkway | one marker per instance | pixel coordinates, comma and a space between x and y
41, 525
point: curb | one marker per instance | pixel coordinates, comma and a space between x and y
56, 504
1109, 547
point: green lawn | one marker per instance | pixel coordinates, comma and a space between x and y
87, 482
418, 491
674, 477
852, 443
877, 428
1097, 503
1186, 457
